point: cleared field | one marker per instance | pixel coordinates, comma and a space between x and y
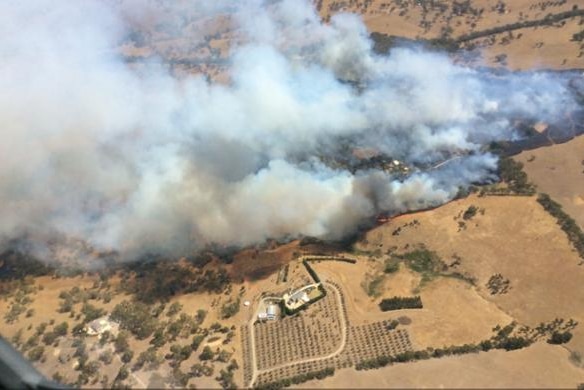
542, 47
511, 236
549, 47
540, 366
558, 170
453, 313
426, 18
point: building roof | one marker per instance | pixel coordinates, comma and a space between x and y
271, 310
99, 326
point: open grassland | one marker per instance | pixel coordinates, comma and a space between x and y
540, 366
558, 170
430, 19
549, 46
510, 241
453, 314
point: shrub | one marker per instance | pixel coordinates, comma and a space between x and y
197, 340
121, 343
40, 329
392, 325
127, 356
391, 266
104, 338
230, 308
225, 378
49, 338
199, 370
373, 285
36, 353
207, 354
470, 212
61, 329
513, 343
421, 260
174, 309
78, 329
149, 356
486, 345
91, 312
58, 377
135, 317
159, 338
200, 317
511, 172
560, 337
106, 357
223, 356
123, 373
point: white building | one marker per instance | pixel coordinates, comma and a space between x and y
271, 313
100, 326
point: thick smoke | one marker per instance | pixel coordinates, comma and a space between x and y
136, 160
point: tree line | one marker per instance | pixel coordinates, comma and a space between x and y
505, 338
397, 303
567, 223
546, 21
311, 271
297, 379
382, 43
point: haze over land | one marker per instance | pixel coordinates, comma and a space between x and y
162, 157
139, 160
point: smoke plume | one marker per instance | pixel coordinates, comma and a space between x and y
137, 160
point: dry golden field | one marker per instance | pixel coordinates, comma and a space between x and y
509, 235
558, 170
511, 239
540, 366
541, 47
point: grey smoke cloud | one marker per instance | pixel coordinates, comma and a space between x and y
137, 160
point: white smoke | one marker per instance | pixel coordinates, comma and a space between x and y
139, 161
